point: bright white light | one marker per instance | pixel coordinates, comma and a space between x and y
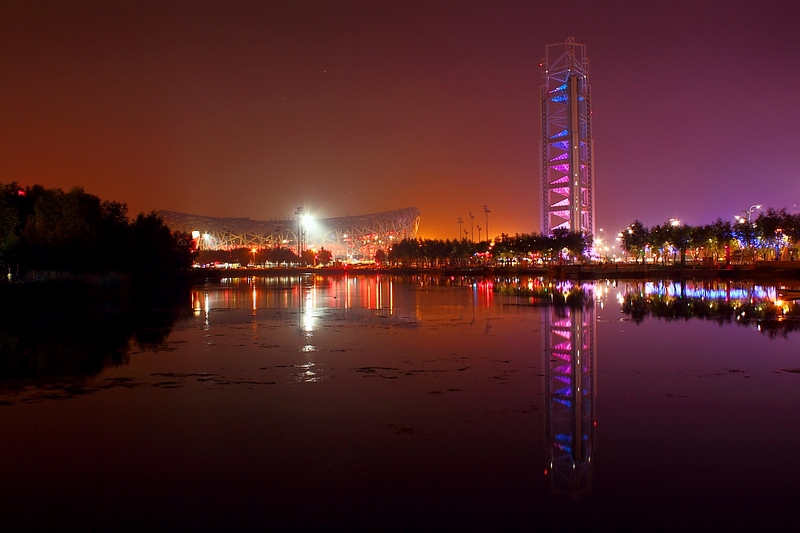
308, 222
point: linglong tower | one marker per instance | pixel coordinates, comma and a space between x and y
567, 145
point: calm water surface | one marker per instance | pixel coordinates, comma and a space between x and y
381, 403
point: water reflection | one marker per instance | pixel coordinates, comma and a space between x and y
569, 342
773, 310
569, 352
356, 298
45, 343
469, 402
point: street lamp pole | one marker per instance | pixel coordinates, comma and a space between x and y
472, 225
460, 221
750, 210
486, 212
299, 214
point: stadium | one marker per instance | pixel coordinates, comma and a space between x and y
347, 238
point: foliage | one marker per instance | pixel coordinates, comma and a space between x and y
635, 239
324, 257
773, 235
52, 230
245, 256
562, 245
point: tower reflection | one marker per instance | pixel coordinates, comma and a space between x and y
569, 362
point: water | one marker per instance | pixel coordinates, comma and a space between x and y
382, 403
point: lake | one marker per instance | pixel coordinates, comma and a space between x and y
380, 403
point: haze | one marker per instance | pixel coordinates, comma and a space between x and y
255, 108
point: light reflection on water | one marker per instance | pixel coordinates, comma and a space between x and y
429, 402
569, 345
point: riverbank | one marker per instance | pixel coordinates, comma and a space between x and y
789, 270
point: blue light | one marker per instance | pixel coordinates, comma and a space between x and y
673, 290
563, 448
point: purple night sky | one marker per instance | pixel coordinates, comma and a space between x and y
254, 108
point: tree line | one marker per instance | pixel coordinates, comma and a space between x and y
51, 230
562, 246
773, 235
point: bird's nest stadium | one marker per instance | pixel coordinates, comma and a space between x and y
351, 237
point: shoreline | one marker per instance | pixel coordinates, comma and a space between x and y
784, 270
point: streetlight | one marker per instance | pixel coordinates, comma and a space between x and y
460, 221
750, 211
740, 219
472, 225
486, 211
299, 214
479, 233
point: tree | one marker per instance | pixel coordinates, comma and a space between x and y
280, 255
720, 238
769, 229
324, 257
634, 239
154, 247
307, 257
681, 237
9, 224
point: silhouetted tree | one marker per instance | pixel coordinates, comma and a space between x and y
154, 247
324, 257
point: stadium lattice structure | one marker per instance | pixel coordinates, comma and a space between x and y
350, 237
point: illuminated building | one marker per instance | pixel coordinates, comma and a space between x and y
567, 143
352, 237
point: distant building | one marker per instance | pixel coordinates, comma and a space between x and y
351, 237
567, 143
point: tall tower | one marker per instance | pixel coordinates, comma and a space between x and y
567, 144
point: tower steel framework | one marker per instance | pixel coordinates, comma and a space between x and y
567, 144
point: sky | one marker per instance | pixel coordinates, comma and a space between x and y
253, 109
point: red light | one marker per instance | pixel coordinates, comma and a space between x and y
21, 192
